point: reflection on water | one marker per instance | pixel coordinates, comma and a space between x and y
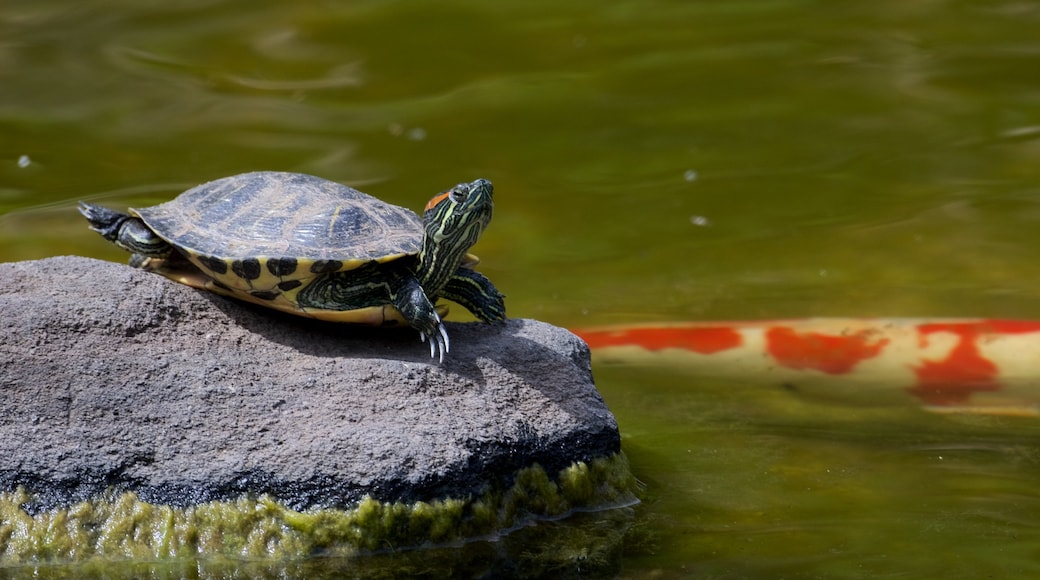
652, 161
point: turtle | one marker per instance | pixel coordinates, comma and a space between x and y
316, 248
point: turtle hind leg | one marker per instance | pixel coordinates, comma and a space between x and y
125, 231
477, 294
139, 261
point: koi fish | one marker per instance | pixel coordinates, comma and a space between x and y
945, 365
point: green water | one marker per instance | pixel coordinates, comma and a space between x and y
652, 161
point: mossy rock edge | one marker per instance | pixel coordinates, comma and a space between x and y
121, 526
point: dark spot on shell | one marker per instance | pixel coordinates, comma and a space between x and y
322, 266
265, 294
289, 284
215, 265
248, 268
281, 266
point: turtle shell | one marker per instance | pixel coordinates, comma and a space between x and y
263, 236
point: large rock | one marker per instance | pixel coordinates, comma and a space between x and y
115, 378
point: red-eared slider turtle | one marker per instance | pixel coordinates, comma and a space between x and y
315, 248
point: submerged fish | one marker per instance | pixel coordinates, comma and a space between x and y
945, 365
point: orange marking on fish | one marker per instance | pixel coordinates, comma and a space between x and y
435, 200
952, 380
708, 340
832, 354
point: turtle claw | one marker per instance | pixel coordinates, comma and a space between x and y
445, 343
417, 310
439, 343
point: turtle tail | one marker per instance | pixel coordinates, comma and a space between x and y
125, 231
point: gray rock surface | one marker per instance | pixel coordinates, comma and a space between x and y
115, 378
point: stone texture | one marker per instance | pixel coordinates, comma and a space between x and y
114, 378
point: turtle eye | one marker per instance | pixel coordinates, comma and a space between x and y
458, 193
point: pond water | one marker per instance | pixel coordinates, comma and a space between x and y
653, 161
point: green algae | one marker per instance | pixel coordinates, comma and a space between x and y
119, 526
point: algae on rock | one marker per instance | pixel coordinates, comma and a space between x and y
122, 526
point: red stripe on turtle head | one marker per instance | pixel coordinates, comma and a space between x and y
436, 200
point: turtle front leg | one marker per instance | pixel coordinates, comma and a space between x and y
125, 231
477, 294
411, 301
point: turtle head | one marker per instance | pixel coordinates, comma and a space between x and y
453, 221
459, 215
